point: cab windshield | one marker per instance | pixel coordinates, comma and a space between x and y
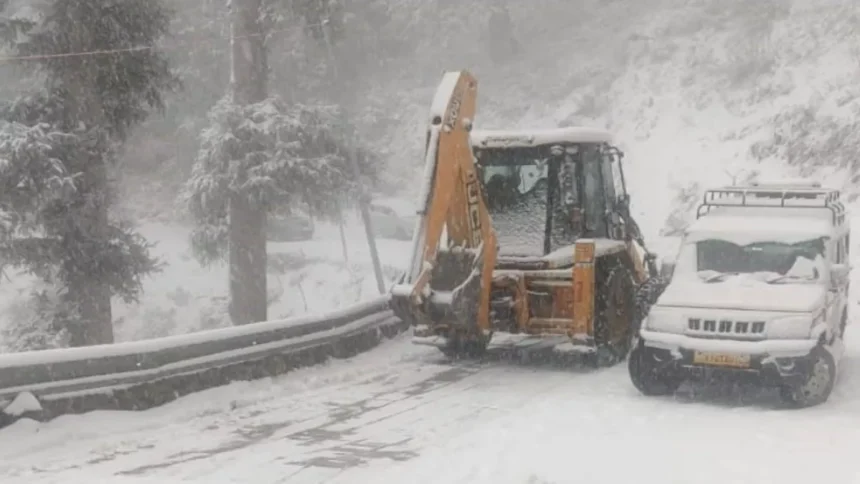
544, 198
770, 261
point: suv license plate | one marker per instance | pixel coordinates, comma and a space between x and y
720, 359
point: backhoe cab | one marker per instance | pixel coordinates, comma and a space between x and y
525, 240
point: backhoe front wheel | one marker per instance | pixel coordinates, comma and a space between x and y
615, 322
464, 346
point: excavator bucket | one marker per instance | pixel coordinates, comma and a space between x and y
447, 285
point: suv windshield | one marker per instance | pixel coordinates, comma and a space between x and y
715, 260
540, 198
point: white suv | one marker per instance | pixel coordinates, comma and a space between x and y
759, 288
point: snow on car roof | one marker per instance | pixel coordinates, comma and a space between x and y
536, 137
749, 224
787, 183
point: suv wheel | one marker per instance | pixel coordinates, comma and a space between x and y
817, 384
651, 376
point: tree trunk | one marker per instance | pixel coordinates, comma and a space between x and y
248, 293
87, 287
88, 294
340, 226
88, 317
247, 221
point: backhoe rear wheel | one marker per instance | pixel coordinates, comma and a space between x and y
615, 313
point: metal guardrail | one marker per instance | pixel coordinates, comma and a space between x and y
144, 374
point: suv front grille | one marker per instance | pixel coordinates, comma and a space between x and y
725, 327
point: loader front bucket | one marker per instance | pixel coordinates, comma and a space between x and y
450, 301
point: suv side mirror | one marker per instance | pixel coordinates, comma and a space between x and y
667, 269
839, 275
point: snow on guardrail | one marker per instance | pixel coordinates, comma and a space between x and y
144, 374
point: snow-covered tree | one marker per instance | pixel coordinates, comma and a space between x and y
159, 155
96, 73
258, 156
323, 20
290, 156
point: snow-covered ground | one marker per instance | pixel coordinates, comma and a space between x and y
315, 278
403, 414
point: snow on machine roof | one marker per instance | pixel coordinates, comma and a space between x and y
528, 138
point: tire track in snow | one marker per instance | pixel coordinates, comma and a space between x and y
334, 431
106, 440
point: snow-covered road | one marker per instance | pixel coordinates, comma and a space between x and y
403, 414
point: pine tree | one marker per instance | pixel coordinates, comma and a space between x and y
59, 142
260, 156
276, 158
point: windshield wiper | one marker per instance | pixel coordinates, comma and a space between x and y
716, 276
785, 277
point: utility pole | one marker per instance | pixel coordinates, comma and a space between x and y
368, 225
363, 199
247, 239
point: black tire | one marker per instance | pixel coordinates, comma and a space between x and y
647, 295
465, 347
816, 386
540, 188
651, 376
615, 323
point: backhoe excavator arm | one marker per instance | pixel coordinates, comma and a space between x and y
452, 207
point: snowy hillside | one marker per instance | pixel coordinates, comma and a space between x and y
693, 90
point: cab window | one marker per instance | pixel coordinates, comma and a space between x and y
616, 177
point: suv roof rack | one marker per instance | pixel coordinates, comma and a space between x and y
771, 196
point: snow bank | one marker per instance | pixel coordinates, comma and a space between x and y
23, 404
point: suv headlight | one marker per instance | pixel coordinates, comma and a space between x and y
665, 320
793, 327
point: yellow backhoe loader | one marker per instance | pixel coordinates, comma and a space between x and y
524, 240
